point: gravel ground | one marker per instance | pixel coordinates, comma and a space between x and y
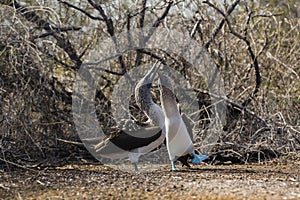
276, 179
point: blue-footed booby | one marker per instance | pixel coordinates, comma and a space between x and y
145, 102
179, 141
140, 140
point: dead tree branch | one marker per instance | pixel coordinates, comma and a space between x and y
62, 42
158, 21
80, 10
249, 48
111, 31
155, 24
141, 20
56, 30
219, 27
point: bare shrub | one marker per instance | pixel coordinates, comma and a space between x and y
255, 47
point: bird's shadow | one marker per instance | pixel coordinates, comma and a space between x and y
224, 171
189, 170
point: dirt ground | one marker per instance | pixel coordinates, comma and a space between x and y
275, 179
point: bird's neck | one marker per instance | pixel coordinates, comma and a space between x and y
169, 104
156, 115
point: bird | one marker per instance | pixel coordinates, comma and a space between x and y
138, 140
134, 141
178, 139
153, 111
144, 99
132, 144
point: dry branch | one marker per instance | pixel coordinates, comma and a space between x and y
249, 48
62, 42
55, 31
219, 27
110, 29
81, 10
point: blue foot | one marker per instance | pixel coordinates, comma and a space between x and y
173, 166
198, 158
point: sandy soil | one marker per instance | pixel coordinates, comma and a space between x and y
276, 179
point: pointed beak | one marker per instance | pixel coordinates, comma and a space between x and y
153, 71
165, 81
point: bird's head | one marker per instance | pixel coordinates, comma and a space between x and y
149, 77
165, 82
143, 89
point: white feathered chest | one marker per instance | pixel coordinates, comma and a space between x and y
179, 142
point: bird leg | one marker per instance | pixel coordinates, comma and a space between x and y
173, 165
135, 167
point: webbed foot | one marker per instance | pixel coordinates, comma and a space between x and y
198, 158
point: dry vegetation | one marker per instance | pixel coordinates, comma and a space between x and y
42, 46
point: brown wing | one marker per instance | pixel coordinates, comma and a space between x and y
129, 140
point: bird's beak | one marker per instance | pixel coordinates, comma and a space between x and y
153, 71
